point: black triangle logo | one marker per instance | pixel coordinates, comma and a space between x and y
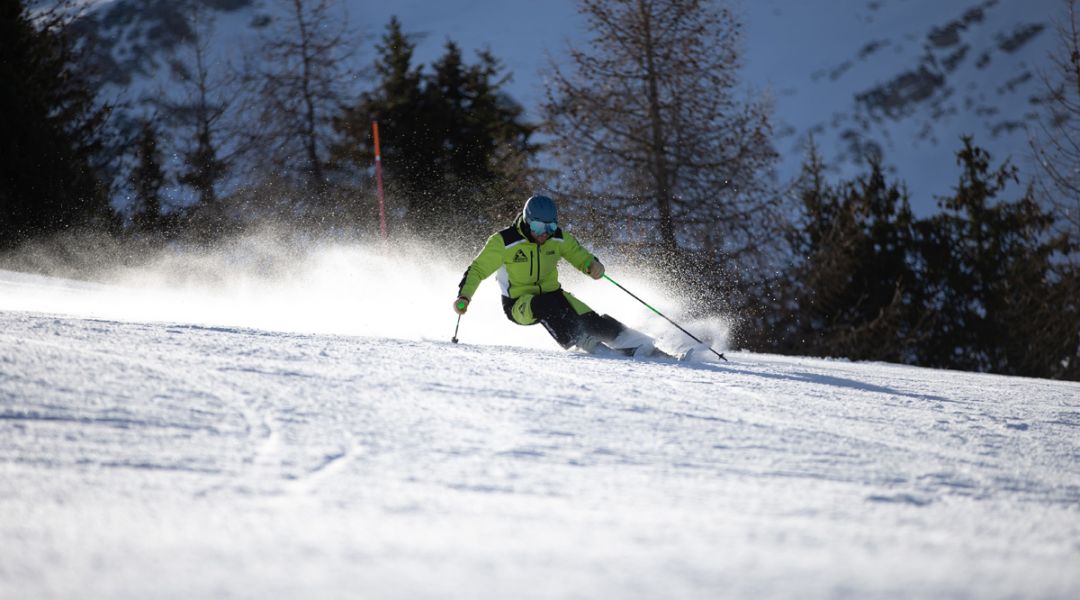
520, 257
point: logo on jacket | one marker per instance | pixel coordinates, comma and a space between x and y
520, 257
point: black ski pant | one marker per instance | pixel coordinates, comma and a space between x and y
555, 312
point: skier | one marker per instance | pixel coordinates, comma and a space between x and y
525, 256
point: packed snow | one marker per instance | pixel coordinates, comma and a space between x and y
300, 426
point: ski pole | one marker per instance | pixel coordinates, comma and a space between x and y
454, 339
692, 336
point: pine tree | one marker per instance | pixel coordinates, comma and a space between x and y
49, 132
854, 288
147, 179
478, 128
1001, 295
396, 103
454, 146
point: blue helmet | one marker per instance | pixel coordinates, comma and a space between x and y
540, 208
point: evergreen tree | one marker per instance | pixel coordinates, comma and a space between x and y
854, 290
454, 146
396, 103
1001, 295
49, 132
478, 129
984, 285
147, 179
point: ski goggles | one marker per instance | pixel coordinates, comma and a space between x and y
542, 227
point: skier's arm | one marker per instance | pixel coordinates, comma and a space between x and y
575, 254
487, 262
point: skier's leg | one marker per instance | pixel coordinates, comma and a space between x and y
611, 332
551, 310
519, 310
572, 323
608, 329
557, 316
602, 327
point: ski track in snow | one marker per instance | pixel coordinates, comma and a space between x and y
173, 460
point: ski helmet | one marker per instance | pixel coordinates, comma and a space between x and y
540, 208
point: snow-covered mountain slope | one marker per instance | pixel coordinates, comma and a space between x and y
903, 79
194, 449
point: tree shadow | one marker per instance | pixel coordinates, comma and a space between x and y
832, 380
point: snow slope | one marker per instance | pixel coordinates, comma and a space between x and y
192, 449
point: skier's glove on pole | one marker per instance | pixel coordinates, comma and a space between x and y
461, 305
596, 269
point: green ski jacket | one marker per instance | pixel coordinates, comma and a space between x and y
524, 267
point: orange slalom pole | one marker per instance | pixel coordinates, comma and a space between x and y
378, 180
